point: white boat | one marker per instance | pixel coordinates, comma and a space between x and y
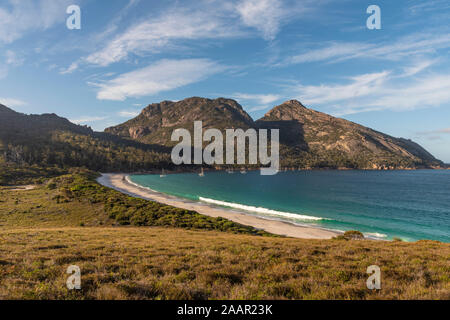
162, 175
243, 171
202, 173
230, 171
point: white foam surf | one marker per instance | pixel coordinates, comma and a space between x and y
375, 235
259, 210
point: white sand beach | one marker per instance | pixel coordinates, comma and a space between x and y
119, 183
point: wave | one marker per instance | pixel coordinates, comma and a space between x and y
260, 210
375, 235
138, 185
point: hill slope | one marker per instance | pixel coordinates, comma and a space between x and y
49, 140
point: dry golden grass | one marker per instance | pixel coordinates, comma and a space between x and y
165, 263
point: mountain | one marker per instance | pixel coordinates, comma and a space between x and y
50, 140
15, 125
156, 122
325, 141
308, 138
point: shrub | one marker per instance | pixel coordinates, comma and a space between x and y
353, 235
51, 186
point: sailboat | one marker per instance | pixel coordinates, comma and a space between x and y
162, 175
202, 173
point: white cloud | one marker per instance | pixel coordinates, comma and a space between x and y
18, 17
418, 67
13, 59
204, 20
359, 86
70, 69
332, 51
12, 103
428, 91
164, 75
87, 119
129, 113
159, 33
258, 108
414, 45
378, 91
264, 15
260, 98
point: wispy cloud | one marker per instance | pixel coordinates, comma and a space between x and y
87, 119
204, 20
433, 134
11, 102
259, 108
378, 91
13, 59
359, 86
161, 32
264, 15
18, 18
129, 113
413, 45
439, 131
70, 69
164, 75
430, 5
332, 52
418, 67
259, 98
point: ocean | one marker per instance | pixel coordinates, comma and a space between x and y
410, 205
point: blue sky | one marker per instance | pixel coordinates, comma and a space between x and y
130, 53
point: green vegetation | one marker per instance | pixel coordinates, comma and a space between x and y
73, 195
351, 235
51, 141
21, 175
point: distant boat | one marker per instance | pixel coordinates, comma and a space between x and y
202, 173
243, 171
162, 175
230, 171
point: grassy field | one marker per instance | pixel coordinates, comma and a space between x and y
72, 221
159, 263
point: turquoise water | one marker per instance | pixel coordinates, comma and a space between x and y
411, 205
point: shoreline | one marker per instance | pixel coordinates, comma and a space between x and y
119, 183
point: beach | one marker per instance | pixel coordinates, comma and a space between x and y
120, 183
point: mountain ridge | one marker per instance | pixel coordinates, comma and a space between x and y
308, 138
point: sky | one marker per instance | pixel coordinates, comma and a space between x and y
131, 53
